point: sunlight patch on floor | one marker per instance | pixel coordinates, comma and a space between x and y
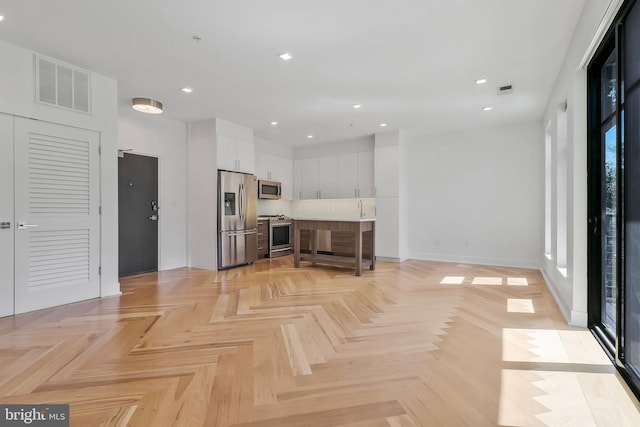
532, 345
517, 281
520, 305
452, 280
487, 281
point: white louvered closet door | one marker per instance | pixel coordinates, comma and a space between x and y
57, 190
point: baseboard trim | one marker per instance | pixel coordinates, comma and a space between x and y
498, 262
555, 292
388, 259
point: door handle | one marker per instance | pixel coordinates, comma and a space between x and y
23, 225
153, 217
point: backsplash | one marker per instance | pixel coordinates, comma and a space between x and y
274, 207
334, 208
323, 208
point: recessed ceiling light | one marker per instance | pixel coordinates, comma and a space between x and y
285, 56
383, 125
1, 17
274, 123
187, 89
309, 136
487, 108
481, 81
356, 106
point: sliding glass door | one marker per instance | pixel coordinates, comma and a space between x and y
614, 193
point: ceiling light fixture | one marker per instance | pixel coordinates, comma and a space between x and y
274, 123
187, 89
309, 136
147, 105
383, 125
285, 56
487, 108
1, 17
356, 106
481, 81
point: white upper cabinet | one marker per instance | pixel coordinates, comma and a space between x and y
235, 155
387, 182
310, 178
297, 179
366, 174
272, 167
319, 177
355, 175
328, 177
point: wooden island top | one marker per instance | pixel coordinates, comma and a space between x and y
357, 226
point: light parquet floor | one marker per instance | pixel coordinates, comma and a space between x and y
412, 344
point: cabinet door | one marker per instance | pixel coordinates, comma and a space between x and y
6, 215
328, 177
310, 178
246, 157
365, 174
297, 179
263, 165
226, 153
386, 172
282, 171
347, 175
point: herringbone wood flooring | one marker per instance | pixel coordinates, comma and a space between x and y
412, 344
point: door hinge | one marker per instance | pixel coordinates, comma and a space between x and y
99, 210
99, 271
99, 150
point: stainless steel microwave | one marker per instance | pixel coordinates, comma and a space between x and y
269, 189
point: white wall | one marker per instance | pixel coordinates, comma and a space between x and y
569, 285
477, 196
166, 139
17, 98
202, 195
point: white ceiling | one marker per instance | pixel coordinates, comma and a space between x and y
410, 63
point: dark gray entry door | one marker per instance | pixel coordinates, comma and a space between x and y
138, 214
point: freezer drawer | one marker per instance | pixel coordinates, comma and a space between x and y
237, 248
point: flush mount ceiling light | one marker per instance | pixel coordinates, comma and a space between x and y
383, 125
487, 108
481, 81
356, 106
187, 89
1, 17
285, 56
147, 105
274, 123
309, 136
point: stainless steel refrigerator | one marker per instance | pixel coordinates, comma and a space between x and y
237, 219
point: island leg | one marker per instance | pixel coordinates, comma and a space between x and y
359, 250
296, 244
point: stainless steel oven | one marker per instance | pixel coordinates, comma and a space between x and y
279, 236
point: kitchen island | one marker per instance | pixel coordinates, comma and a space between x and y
355, 226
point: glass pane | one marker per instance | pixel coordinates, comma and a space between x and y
609, 87
609, 227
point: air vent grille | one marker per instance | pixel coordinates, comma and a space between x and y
62, 85
504, 90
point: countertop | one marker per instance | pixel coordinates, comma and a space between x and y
335, 219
